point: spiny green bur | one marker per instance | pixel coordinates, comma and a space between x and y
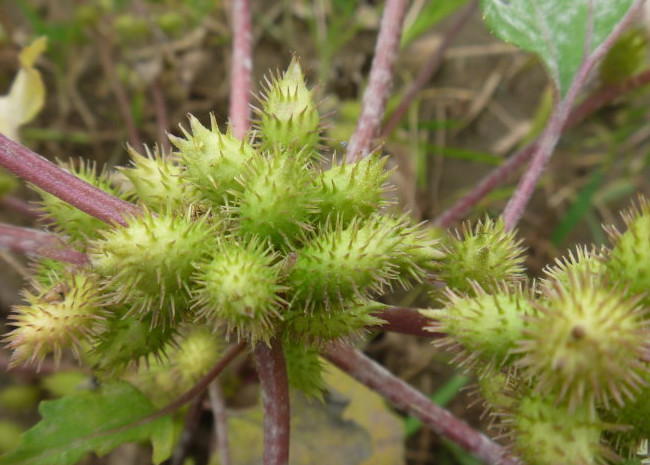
486, 255
238, 288
484, 328
149, 263
289, 117
156, 180
585, 344
212, 160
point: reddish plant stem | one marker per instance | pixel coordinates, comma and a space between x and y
430, 67
31, 241
242, 64
190, 430
46, 175
272, 371
405, 320
408, 399
549, 138
19, 206
220, 422
499, 175
379, 83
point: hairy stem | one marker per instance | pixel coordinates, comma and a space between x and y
242, 64
272, 370
430, 67
218, 407
408, 399
31, 241
19, 206
405, 320
549, 138
46, 175
380, 80
500, 174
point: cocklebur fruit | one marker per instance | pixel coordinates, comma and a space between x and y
304, 369
238, 289
486, 255
629, 258
349, 190
483, 328
148, 263
128, 341
546, 434
322, 324
197, 351
156, 180
584, 261
288, 115
212, 160
343, 262
276, 199
62, 316
68, 220
585, 343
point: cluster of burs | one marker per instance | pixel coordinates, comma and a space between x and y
258, 239
561, 362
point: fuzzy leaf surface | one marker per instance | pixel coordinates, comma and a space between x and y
91, 421
562, 32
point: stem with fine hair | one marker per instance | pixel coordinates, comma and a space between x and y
404, 320
31, 241
410, 400
46, 175
242, 63
380, 80
272, 370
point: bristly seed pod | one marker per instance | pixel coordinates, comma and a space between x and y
585, 344
288, 118
212, 160
148, 264
61, 317
238, 289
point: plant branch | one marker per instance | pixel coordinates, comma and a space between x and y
408, 399
242, 64
380, 80
20, 206
430, 68
46, 175
549, 138
272, 371
405, 320
30, 241
218, 407
499, 175
162, 118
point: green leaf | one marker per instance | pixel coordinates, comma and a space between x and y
91, 421
432, 13
556, 30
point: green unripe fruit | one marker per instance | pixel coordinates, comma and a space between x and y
321, 325
304, 369
629, 259
483, 328
67, 219
128, 341
289, 117
148, 264
583, 262
585, 344
196, 353
212, 160
548, 435
349, 190
60, 317
487, 255
157, 181
276, 199
238, 289
345, 262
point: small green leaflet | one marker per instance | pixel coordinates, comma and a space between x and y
556, 30
91, 421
